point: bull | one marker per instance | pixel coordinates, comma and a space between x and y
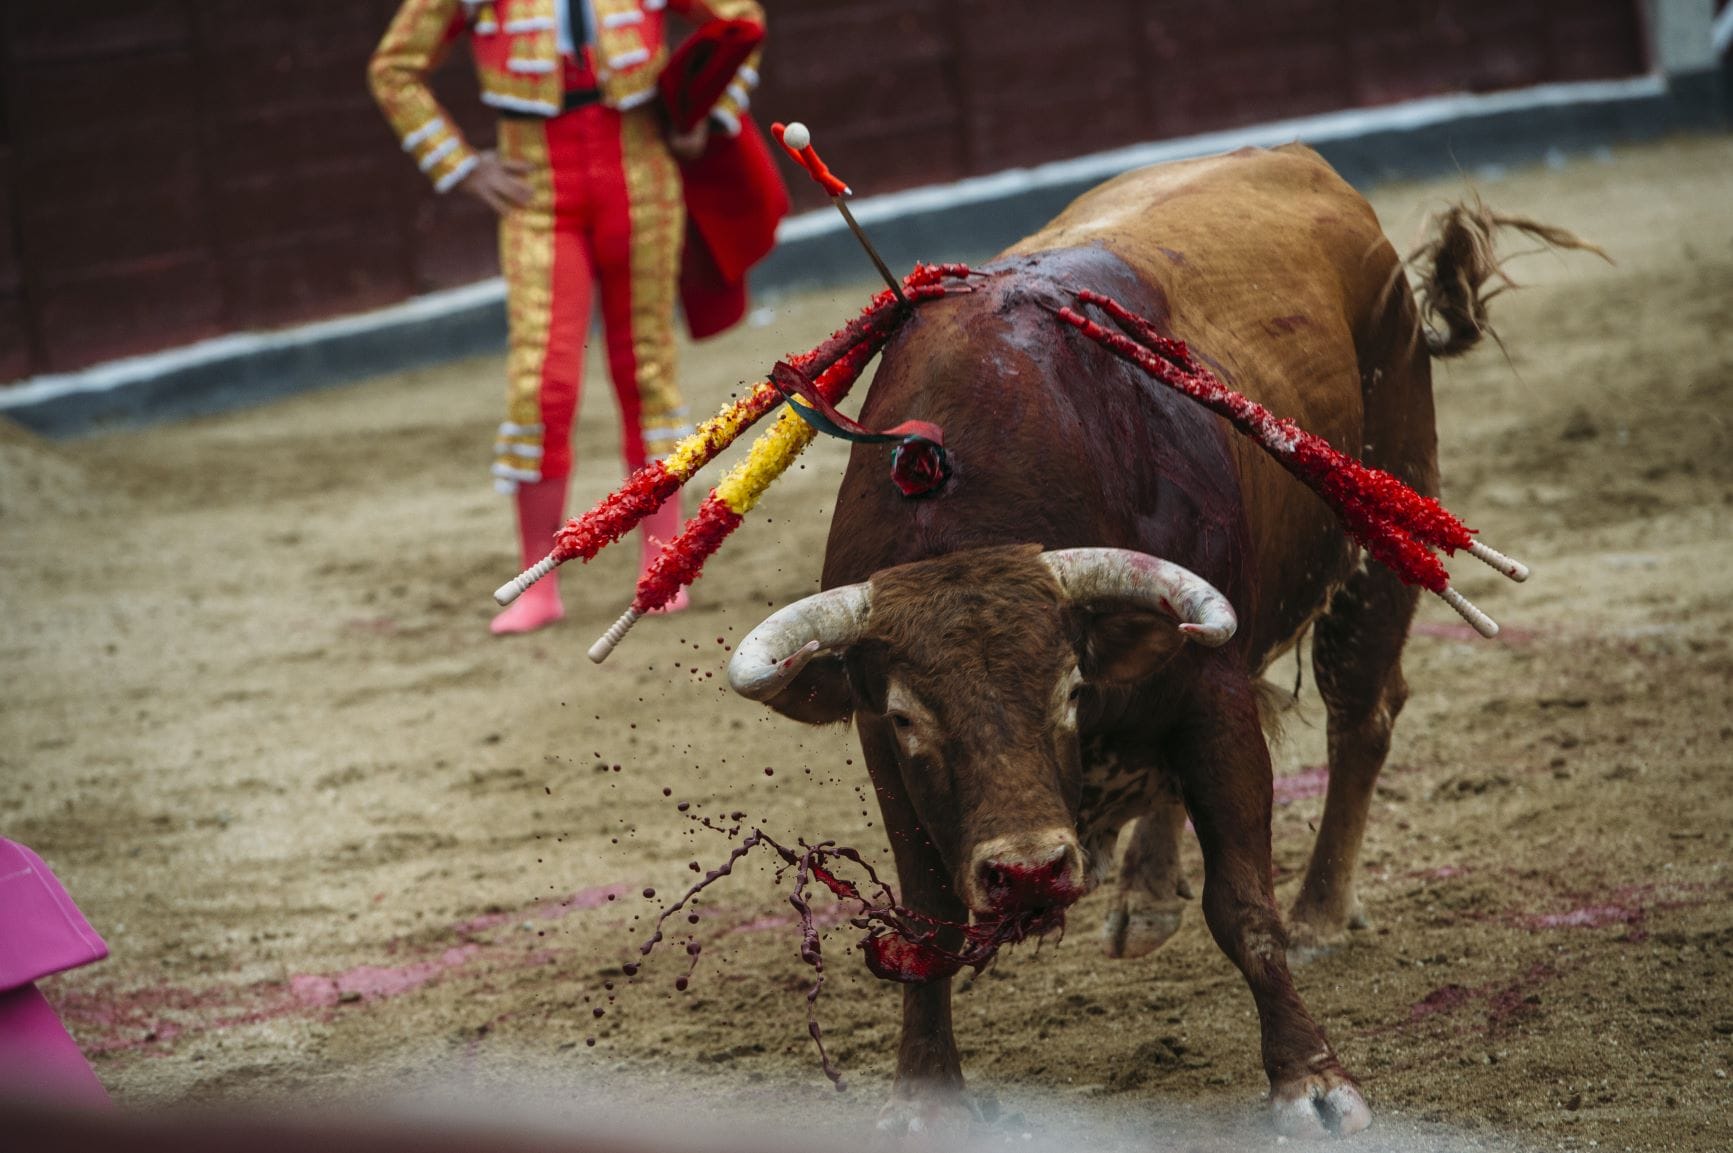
1068, 636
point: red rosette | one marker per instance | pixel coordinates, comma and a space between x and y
919, 466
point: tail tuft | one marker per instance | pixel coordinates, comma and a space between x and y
1457, 261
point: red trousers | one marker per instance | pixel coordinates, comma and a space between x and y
606, 213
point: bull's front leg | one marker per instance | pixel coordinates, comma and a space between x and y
1225, 769
927, 1094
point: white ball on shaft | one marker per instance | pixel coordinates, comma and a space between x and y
796, 136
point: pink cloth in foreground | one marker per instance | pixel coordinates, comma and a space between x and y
41, 933
39, 1060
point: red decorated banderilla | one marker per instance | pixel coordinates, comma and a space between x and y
1397, 525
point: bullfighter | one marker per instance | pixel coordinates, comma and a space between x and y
587, 184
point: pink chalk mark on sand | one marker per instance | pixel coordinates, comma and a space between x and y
593, 897
1314, 780
1505, 1001
1590, 917
373, 982
1310, 781
1508, 1002
824, 916
106, 1019
1444, 999
1622, 905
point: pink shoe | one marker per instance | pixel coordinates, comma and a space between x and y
536, 608
45, 933
541, 510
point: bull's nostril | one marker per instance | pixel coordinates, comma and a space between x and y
1029, 881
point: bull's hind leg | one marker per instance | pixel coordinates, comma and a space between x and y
1357, 656
1151, 890
1225, 768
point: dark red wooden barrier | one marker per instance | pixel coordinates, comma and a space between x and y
176, 169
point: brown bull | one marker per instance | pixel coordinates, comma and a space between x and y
1017, 706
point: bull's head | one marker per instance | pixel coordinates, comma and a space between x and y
977, 666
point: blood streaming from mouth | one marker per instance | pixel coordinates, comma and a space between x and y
901, 944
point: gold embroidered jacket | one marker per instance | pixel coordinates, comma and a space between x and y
517, 57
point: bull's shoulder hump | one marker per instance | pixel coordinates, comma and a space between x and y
1230, 190
1293, 169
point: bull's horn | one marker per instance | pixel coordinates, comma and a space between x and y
774, 652
1097, 574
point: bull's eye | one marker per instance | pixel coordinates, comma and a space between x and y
900, 721
1075, 695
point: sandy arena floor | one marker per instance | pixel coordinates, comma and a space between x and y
344, 844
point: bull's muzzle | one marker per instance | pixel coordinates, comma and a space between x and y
1025, 874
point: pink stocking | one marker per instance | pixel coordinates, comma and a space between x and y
541, 510
660, 527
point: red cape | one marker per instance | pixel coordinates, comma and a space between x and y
734, 194
734, 199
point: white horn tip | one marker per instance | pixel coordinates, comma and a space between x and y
1210, 636
764, 680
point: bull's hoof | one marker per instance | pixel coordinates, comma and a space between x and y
1314, 933
1138, 924
927, 1115
1319, 1105
1137, 931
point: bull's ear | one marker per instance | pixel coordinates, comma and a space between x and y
1127, 645
867, 663
819, 694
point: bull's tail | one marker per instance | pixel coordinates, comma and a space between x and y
1456, 263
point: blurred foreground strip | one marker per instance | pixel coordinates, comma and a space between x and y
44, 1129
